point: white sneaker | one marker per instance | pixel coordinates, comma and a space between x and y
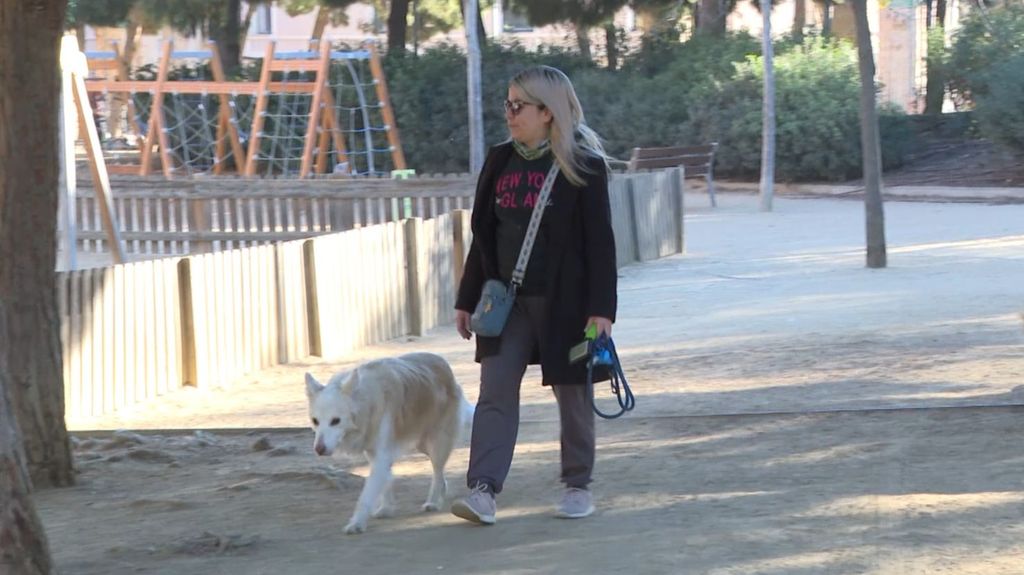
479, 506
576, 503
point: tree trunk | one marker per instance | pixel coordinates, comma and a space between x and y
226, 31
475, 102
871, 149
583, 40
799, 19
23, 546
826, 25
323, 16
712, 17
397, 25
132, 27
416, 26
611, 45
231, 47
80, 36
935, 87
768, 112
243, 35
29, 158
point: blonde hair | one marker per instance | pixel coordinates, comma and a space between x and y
571, 138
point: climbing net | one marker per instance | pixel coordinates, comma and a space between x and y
196, 133
360, 119
199, 123
351, 137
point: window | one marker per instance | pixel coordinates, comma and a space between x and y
514, 21
261, 21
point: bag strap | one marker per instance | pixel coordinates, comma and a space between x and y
519, 273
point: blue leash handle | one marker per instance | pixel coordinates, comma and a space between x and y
604, 354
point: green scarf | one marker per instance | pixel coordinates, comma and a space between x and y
531, 154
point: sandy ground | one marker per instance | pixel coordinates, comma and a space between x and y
797, 413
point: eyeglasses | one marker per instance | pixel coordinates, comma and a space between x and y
515, 106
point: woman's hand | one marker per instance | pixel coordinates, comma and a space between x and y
462, 323
604, 325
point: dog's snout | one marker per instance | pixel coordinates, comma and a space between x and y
320, 449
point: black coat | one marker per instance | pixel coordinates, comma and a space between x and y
581, 272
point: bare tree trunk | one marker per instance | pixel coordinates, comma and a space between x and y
29, 175
768, 112
476, 113
799, 19
397, 25
870, 146
323, 16
611, 45
583, 40
231, 43
124, 69
935, 87
80, 36
23, 546
243, 35
826, 25
712, 17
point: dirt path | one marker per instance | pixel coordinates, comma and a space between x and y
797, 413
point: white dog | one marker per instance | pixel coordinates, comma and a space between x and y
382, 408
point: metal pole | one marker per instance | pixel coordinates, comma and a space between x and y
476, 120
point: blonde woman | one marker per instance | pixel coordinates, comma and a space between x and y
570, 284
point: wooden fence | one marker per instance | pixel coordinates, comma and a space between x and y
134, 331
161, 218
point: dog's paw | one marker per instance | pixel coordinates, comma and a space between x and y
384, 511
355, 527
430, 507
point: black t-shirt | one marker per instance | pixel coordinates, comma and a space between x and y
515, 193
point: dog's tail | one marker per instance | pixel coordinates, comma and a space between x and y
466, 413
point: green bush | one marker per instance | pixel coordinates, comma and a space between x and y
816, 112
987, 67
985, 40
1000, 108
629, 107
667, 93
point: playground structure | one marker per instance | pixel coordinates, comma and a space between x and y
199, 123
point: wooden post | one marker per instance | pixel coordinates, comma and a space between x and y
635, 228
200, 224
312, 303
219, 145
98, 168
257, 115
678, 184
225, 117
323, 141
385, 107
156, 112
327, 116
463, 236
413, 228
331, 123
314, 110
189, 371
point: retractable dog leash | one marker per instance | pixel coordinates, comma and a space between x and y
602, 353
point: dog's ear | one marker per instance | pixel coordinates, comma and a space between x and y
313, 387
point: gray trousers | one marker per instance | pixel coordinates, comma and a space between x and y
496, 423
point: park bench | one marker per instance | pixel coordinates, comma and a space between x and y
697, 162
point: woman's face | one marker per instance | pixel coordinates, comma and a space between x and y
527, 121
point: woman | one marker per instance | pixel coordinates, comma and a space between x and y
570, 284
